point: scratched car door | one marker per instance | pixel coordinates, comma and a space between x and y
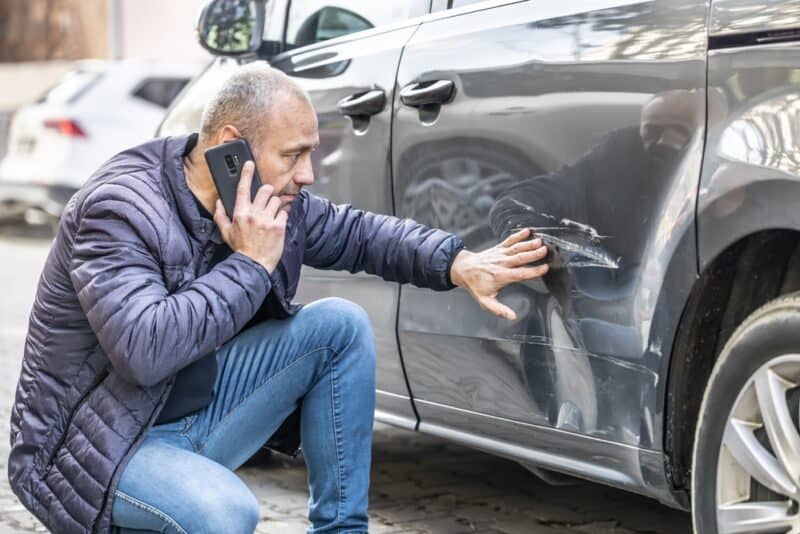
584, 120
345, 54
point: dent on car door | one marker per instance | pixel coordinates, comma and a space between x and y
585, 121
351, 83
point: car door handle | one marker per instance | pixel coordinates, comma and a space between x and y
368, 103
431, 92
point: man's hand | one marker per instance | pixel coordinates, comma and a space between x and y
258, 227
485, 273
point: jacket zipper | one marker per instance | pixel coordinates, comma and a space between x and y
96, 382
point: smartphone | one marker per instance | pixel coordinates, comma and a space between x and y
225, 162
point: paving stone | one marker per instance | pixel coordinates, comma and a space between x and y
451, 525
377, 526
410, 512
510, 526
282, 527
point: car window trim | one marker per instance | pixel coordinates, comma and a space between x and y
494, 4
350, 37
378, 30
285, 32
471, 8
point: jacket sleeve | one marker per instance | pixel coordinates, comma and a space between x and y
147, 333
341, 237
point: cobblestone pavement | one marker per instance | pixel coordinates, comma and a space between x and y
420, 484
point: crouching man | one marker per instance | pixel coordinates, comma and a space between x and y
163, 348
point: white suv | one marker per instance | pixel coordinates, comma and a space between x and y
95, 111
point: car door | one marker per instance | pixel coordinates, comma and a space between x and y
584, 120
345, 54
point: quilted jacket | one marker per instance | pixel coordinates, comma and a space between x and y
126, 299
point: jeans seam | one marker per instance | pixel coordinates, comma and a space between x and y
336, 437
255, 389
188, 424
152, 509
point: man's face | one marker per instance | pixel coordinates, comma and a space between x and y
283, 156
669, 120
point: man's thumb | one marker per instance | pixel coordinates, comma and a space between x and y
496, 307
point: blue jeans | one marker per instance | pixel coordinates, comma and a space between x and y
181, 479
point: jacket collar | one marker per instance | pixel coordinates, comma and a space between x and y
175, 148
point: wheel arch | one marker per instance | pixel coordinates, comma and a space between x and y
743, 275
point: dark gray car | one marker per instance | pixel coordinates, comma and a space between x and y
655, 145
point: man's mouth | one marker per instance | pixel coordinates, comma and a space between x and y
288, 196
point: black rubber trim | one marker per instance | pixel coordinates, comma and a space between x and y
753, 38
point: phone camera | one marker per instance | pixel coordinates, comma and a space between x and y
231, 163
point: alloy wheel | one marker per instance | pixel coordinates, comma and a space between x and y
758, 470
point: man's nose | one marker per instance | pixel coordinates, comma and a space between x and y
305, 176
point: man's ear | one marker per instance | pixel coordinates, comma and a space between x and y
228, 132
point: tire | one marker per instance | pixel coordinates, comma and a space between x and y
766, 346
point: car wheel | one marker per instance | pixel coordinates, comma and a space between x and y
746, 461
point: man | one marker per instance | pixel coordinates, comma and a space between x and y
155, 364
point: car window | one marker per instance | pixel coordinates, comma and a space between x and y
160, 91
74, 85
184, 114
311, 21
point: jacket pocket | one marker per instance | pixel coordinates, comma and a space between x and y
51, 458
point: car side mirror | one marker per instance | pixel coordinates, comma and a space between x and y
231, 27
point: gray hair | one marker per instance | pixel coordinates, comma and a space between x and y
245, 101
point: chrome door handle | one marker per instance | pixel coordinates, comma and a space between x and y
430, 92
368, 103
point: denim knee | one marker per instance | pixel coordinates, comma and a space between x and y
227, 510
344, 321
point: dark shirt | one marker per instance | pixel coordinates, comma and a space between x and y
194, 384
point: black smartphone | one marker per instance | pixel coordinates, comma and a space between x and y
225, 162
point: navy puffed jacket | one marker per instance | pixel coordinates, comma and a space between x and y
126, 299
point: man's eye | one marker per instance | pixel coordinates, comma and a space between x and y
293, 157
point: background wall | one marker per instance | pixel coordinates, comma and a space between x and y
38, 30
39, 40
43, 30
158, 29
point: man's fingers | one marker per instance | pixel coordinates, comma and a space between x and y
524, 246
519, 274
524, 258
221, 218
282, 217
517, 237
243, 189
496, 307
262, 197
273, 207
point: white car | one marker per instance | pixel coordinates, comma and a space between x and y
95, 111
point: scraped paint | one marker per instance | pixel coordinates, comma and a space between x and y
571, 253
